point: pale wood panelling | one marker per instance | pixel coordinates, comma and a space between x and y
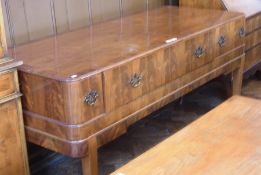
78, 13
39, 18
60, 9
28, 20
155, 3
103, 10
16, 20
133, 6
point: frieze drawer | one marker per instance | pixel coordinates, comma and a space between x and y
252, 12
71, 102
228, 36
86, 99
199, 50
136, 78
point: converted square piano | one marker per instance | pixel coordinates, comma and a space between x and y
84, 88
252, 11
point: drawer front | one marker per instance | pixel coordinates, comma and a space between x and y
86, 99
7, 83
199, 50
136, 78
253, 39
11, 142
253, 23
227, 37
66, 102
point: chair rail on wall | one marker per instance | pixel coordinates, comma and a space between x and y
28, 20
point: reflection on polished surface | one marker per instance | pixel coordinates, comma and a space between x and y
84, 52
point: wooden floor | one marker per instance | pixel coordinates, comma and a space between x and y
144, 134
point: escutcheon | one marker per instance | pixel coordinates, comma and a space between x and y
91, 98
222, 41
135, 80
242, 32
199, 52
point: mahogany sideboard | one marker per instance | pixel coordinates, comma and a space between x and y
84, 88
12, 138
252, 11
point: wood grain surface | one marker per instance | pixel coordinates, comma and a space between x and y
55, 113
126, 39
225, 141
128, 68
60, 101
72, 139
253, 39
78, 131
252, 11
253, 57
12, 138
213, 4
11, 152
7, 84
253, 23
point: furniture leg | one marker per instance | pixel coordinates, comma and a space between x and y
237, 76
90, 162
226, 81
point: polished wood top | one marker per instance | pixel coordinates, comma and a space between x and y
248, 7
81, 53
225, 141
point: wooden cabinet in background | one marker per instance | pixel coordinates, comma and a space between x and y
12, 139
252, 11
13, 152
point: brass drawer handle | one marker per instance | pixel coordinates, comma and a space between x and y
199, 52
222, 41
242, 32
135, 80
91, 98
